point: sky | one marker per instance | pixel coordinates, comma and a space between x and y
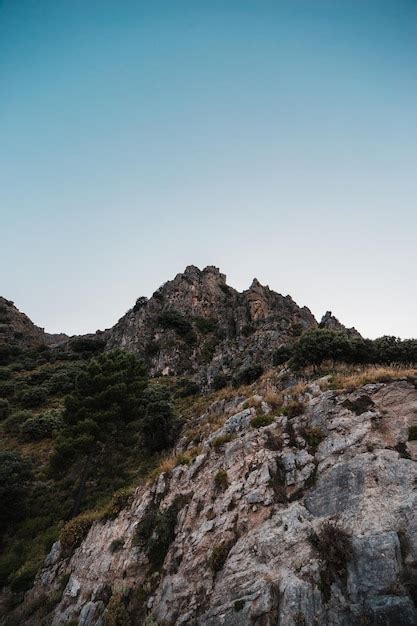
275, 139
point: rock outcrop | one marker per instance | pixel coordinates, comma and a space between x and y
16, 327
197, 325
309, 519
331, 322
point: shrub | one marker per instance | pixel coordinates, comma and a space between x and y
176, 321
248, 375
75, 531
186, 388
208, 349
32, 398
221, 440
119, 501
116, 545
116, 612
262, 420
313, 436
160, 424
15, 478
334, 546
412, 433
13, 423
293, 408
218, 556
156, 531
41, 426
221, 481
87, 346
281, 355
205, 325
5, 373
220, 381
238, 605
61, 383
4, 409
22, 580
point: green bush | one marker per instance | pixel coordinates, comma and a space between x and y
174, 320
313, 437
13, 423
61, 383
221, 480
186, 388
218, 556
32, 398
156, 531
248, 375
41, 426
119, 501
262, 420
4, 409
15, 478
5, 373
75, 531
87, 346
319, 345
205, 325
220, 381
293, 408
159, 425
281, 355
221, 440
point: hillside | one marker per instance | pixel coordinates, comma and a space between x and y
270, 479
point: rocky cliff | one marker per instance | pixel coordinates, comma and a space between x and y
197, 325
283, 505
17, 328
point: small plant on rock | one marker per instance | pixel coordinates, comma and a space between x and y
221, 481
262, 420
218, 556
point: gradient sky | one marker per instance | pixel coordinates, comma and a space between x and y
275, 139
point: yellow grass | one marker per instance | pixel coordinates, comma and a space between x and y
353, 380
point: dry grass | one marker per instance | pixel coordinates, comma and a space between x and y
350, 381
169, 461
274, 398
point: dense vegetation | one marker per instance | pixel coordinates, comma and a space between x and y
317, 346
68, 418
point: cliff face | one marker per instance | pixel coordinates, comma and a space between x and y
16, 327
197, 325
309, 519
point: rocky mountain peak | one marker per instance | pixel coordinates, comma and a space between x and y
331, 322
198, 325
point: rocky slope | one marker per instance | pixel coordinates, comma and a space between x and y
196, 324
17, 328
310, 519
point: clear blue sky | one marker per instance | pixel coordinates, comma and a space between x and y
275, 139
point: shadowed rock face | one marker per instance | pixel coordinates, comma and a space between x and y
216, 329
281, 491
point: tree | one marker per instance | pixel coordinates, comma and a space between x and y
160, 425
15, 478
320, 345
101, 415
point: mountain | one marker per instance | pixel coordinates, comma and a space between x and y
302, 517
226, 486
17, 328
197, 325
